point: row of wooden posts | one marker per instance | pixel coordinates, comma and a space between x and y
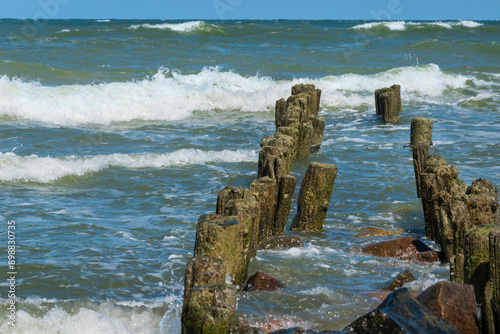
463, 220
247, 217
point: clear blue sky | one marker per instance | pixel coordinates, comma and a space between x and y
253, 9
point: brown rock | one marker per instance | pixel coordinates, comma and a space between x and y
366, 232
261, 281
453, 302
406, 248
404, 277
283, 242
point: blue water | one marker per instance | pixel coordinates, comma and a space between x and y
116, 135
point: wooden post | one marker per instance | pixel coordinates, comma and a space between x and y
388, 103
314, 197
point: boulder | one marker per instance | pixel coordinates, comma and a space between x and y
261, 281
453, 302
401, 313
406, 248
404, 277
365, 232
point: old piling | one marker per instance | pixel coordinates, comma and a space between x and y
421, 140
230, 193
265, 190
203, 271
388, 103
222, 237
209, 309
314, 197
493, 300
286, 189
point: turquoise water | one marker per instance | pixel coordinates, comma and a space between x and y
117, 135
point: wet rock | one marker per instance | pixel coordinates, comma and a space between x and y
366, 232
388, 103
209, 309
453, 302
203, 271
282, 242
241, 326
314, 197
406, 248
223, 238
404, 277
400, 312
261, 281
429, 256
300, 330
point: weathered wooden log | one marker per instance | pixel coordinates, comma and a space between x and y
222, 238
247, 211
230, 193
286, 189
317, 137
477, 258
421, 131
494, 297
209, 309
276, 156
420, 154
482, 202
314, 197
265, 191
203, 271
388, 103
279, 112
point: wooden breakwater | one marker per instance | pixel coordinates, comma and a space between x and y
463, 220
245, 218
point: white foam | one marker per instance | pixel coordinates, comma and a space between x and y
185, 27
402, 25
15, 168
169, 95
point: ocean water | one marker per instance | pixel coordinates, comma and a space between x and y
117, 135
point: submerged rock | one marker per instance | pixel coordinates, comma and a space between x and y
404, 277
261, 281
365, 232
453, 302
406, 248
283, 242
401, 313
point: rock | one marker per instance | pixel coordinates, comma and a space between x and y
314, 197
282, 242
261, 281
401, 313
429, 256
453, 302
406, 248
209, 309
388, 103
223, 238
365, 232
404, 277
300, 330
203, 271
241, 326
287, 184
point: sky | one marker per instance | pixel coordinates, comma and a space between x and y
253, 9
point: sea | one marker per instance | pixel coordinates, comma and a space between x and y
116, 135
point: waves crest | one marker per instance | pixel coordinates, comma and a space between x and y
184, 27
402, 25
14, 168
172, 96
